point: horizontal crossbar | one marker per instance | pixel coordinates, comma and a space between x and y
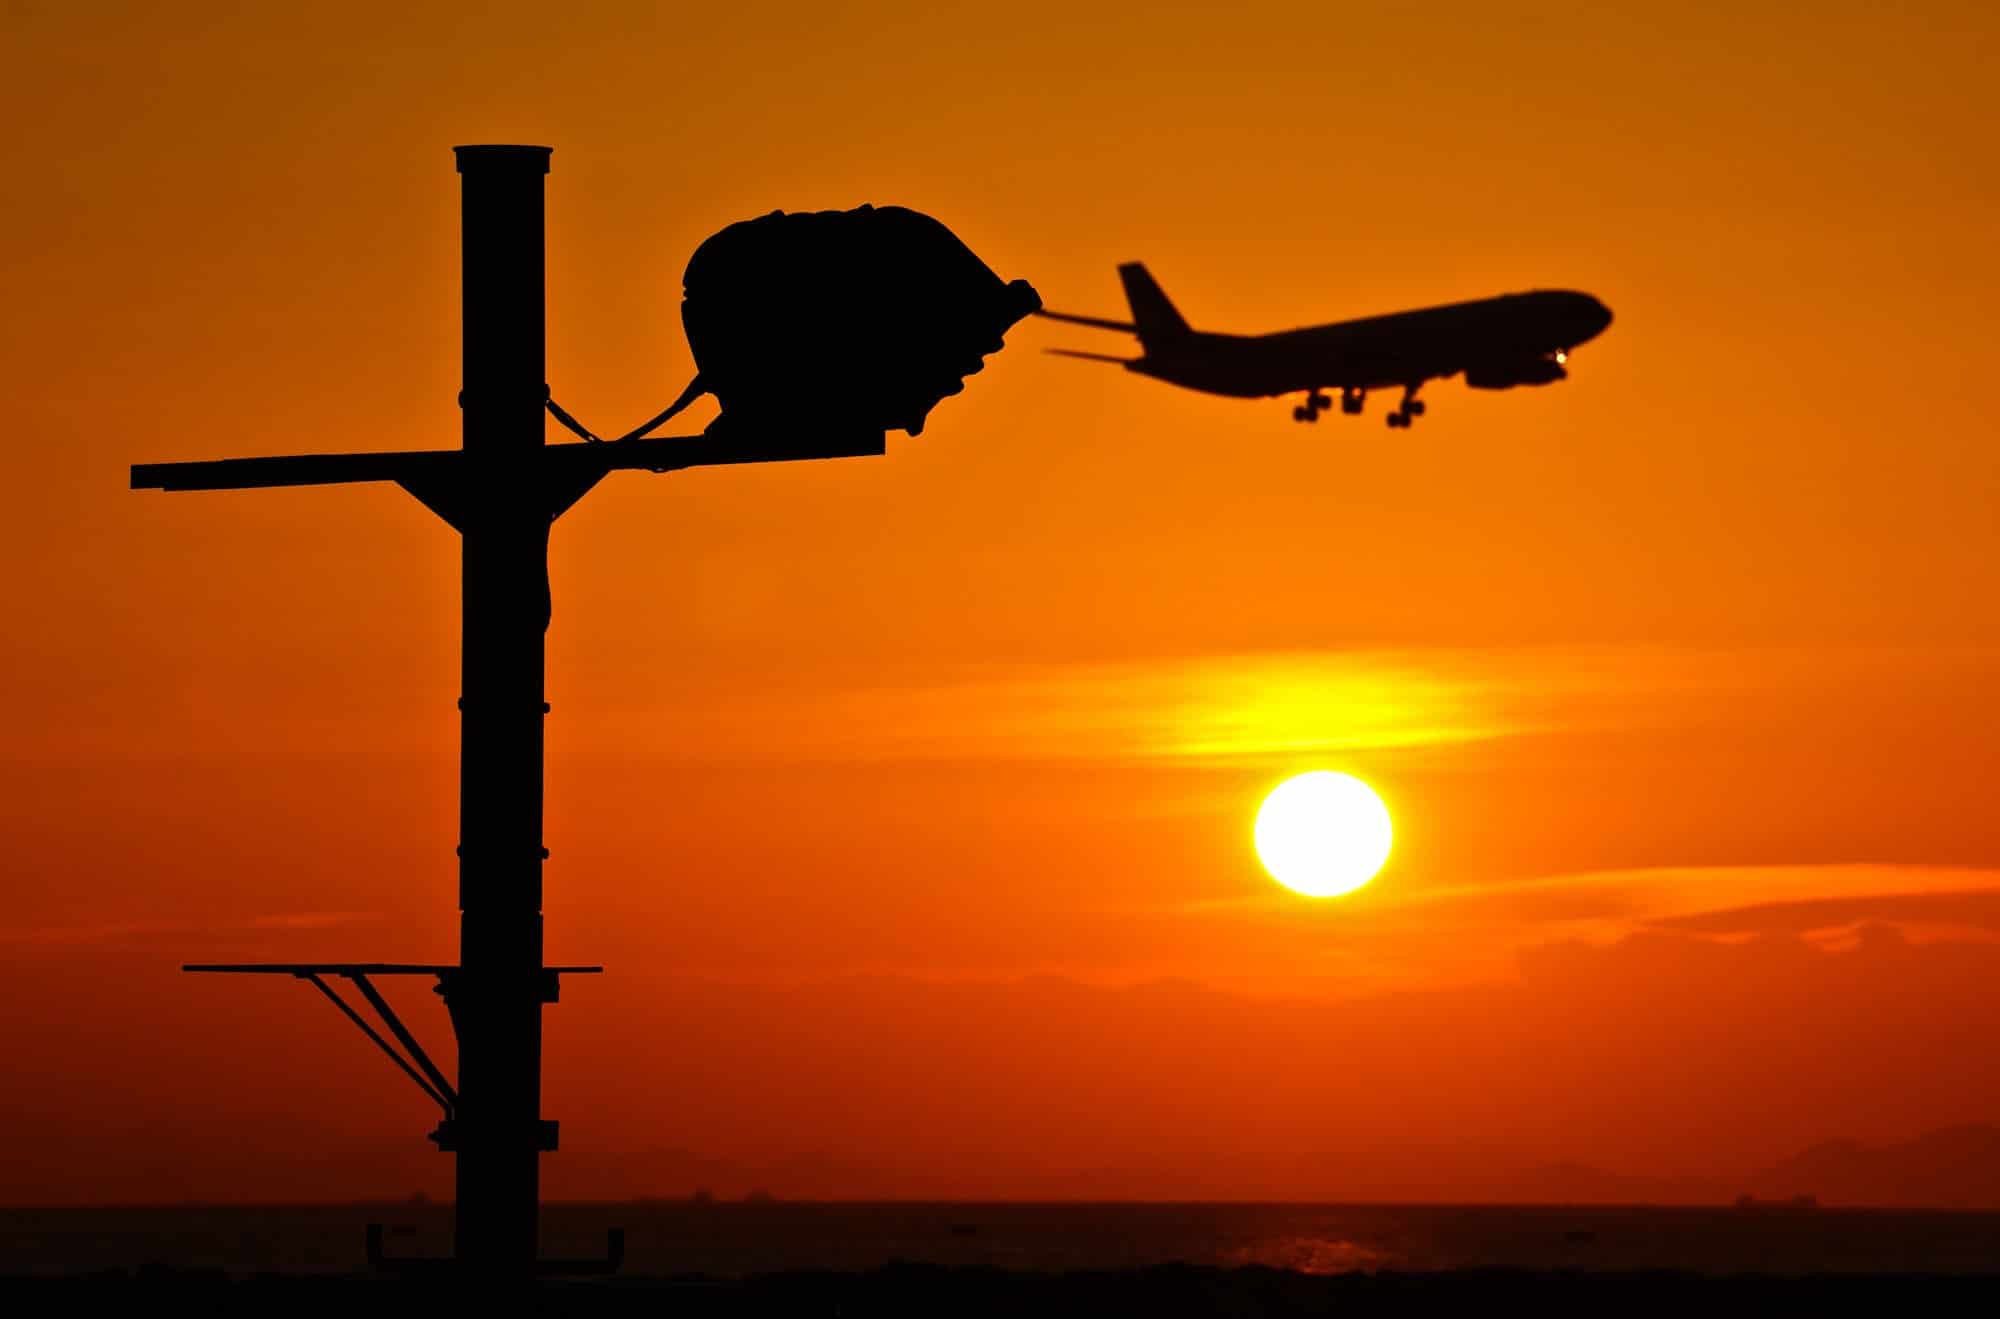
295, 469
562, 462
355, 968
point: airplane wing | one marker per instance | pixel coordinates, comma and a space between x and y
1090, 357
1098, 322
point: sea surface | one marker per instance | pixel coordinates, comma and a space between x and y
674, 1238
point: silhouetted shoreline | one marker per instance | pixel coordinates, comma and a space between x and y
746, 1240
1167, 1290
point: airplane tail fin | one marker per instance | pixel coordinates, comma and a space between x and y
1158, 323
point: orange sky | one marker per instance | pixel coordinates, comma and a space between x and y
908, 799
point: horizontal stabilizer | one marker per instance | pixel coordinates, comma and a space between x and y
1090, 357
1098, 322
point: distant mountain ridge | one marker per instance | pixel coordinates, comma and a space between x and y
1950, 1168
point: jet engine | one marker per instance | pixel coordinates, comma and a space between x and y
1506, 375
840, 321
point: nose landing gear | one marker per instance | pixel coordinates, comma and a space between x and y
1407, 411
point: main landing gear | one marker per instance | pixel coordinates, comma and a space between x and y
1407, 411
1319, 401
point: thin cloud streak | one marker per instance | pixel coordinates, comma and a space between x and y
1228, 710
1699, 898
1221, 708
1693, 897
113, 931
1388, 937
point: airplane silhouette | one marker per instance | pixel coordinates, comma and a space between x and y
1496, 343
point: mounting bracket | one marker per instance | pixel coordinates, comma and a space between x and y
412, 1061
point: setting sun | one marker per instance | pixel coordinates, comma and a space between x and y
1323, 834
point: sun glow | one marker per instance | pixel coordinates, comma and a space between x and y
1323, 834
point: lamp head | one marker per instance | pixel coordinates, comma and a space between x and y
842, 320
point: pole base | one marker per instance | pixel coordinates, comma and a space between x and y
614, 1259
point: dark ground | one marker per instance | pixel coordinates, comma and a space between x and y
736, 1240
1166, 1291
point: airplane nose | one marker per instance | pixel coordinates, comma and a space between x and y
1593, 317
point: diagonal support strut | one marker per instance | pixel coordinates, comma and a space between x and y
417, 1065
446, 1099
395, 1023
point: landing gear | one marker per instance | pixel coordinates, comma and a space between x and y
1318, 401
1408, 410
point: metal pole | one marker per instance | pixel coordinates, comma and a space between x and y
496, 997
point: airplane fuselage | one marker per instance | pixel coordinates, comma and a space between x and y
1495, 343
1382, 352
